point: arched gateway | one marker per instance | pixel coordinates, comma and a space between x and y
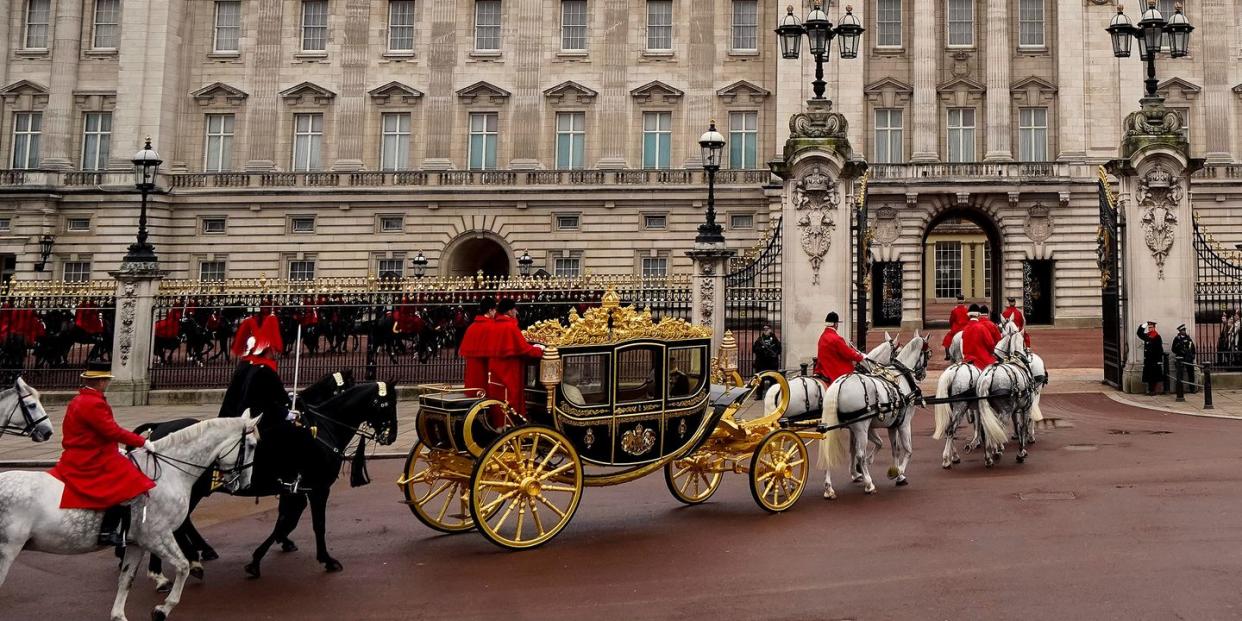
477, 251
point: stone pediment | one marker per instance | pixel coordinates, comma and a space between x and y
1176, 88
884, 84
1034, 82
960, 92
570, 89
742, 88
888, 93
1032, 91
656, 90
209, 93
394, 92
24, 88
493, 93
307, 92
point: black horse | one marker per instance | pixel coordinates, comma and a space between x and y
191, 542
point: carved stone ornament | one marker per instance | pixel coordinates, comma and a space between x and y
707, 294
1159, 194
887, 226
1153, 120
1038, 225
819, 123
815, 199
126, 340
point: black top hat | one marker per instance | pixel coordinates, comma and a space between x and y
98, 369
505, 305
487, 304
1013, 300
961, 298
974, 308
832, 318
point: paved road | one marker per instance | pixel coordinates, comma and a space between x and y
1128, 514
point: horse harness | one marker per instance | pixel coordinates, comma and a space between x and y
27, 416
226, 477
890, 413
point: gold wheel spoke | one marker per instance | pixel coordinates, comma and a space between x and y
534, 447
794, 464
534, 514
433, 493
559, 469
768, 488
420, 477
551, 506
682, 472
558, 488
504, 517
793, 450
547, 458
487, 509
707, 482
448, 499
500, 484
765, 476
521, 517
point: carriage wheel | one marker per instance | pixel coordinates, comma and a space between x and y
694, 479
526, 487
439, 502
778, 471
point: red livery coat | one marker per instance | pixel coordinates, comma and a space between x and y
95, 475
957, 321
977, 344
1014, 314
169, 327
993, 329
836, 357
24, 323
507, 364
88, 319
476, 346
262, 327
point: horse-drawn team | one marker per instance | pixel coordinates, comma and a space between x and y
270, 442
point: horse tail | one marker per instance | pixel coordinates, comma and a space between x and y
1036, 414
944, 411
993, 429
834, 447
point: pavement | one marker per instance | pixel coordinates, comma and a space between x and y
1119, 513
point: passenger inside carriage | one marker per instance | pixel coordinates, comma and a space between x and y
584, 384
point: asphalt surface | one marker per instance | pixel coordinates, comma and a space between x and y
1119, 513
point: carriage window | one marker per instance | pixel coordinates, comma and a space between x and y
586, 380
638, 374
685, 372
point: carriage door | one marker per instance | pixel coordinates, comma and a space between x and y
886, 294
638, 402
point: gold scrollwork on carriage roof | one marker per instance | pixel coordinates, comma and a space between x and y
612, 323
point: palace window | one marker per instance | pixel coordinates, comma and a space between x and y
1167, 8
78, 225
401, 26
961, 23
38, 16
76, 271
888, 136
27, 129
483, 136
659, 24
307, 141
1033, 134
302, 224
987, 271
888, 23
314, 25
657, 139
211, 271
743, 139
96, 137
570, 139
107, 34
228, 26
392, 224
6, 224
745, 25
487, 25
948, 266
567, 222
656, 222
1031, 23
573, 24
218, 150
395, 142
568, 266
655, 267
302, 269
390, 267
961, 134
741, 221
213, 226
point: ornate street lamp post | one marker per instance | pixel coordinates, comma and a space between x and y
419, 265
1151, 27
524, 264
712, 143
146, 165
45, 251
819, 34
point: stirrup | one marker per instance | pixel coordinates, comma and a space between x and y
294, 486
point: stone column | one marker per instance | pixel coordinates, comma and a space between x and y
58, 116
711, 263
999, 109
1217, 97
136, 288
263, 75
527, 124
1071, 79
1158, 242
924, 106
700, 100
441, 97
819, 170
352, 103
614, 97
153, 83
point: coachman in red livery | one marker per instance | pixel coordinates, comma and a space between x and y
836, 357
507, 364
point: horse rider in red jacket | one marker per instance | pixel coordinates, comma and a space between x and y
985, 318
507, 364
95, 475
88, 319
264, 322
957, 321
476, 346
1014, 314
836, 356
978, 341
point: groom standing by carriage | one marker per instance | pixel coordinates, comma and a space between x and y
836, 357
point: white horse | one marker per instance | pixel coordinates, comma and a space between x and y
31, 517
1039, 375
22, 414
871, 401
1006, 390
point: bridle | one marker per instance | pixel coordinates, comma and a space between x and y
229, 476
27, 416
380, 435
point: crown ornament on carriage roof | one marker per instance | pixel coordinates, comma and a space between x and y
611, 323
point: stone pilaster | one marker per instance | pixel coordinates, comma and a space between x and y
57, 148
700, 97
1160, 268
1217, 97
528, 126
613, 101
925, 107
711, 263
1071, 79
136, 288
263, 74
441, 99
351, 104
999, 148
151, 72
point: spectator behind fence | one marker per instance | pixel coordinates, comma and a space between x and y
1153, 356
767, 352
1184, 350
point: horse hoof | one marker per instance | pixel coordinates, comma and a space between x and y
902, 482
947, 465
987, 463
158, 615
209, 554
196, 572
870, 490
288, 546
252, 570
957, 460
830, 494
893, 472
332, 566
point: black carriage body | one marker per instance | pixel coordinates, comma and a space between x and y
441, 420
630, 403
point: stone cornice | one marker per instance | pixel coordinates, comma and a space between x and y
561, 92
384, 94
493, 93
207, 94
756, 94
656, 89
298, 94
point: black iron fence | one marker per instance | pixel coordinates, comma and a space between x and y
49, 330
1218, 304
753, 294
406, 331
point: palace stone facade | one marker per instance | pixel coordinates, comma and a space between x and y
341, 137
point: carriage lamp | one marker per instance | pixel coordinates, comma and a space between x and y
712, 143
45, 251
419, 265
524, 264
728, 355
819, 34
551, 372
146, 166
1151, 28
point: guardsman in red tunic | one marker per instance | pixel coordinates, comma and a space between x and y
95, 475
1014, 314
977, 341
836, 357
957, 321
985, 318
170, 326
507, 364
476, 345
265, 323
23, 322
88, 319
